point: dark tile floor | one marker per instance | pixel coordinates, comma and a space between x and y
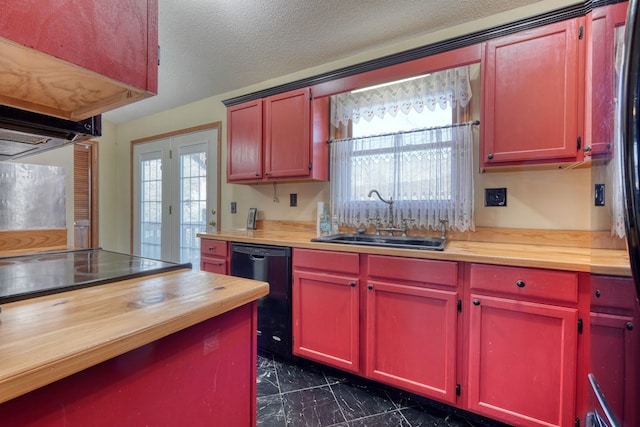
301, 393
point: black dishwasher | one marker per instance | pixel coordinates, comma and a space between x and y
268, 264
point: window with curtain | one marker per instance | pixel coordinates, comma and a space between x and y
423, 160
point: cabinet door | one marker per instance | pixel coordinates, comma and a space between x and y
614, 359
411, 334
325, 319
531, 89
287, 134
601, 90
213, 265
244, 141
522, 361
615, 345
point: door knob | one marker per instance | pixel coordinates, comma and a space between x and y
212, 223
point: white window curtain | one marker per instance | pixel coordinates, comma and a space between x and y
443, 88
617, 202
428, 173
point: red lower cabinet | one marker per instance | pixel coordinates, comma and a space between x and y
326, 308
615, 348
214, 256
522, 354
411, 338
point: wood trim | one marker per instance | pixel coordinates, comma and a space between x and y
572, 11
198, 128
31, 239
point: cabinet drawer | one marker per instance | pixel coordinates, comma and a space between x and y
214, 248
609, 292
339, 262
213, 265
415, 270
526, 282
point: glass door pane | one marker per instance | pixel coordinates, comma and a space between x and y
193, 201
151, 208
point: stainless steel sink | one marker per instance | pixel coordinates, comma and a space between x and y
408, 242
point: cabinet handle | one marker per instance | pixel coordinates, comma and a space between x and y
476, 302
370, 287
629, 326
520, 284
353, 284
490, 156
598, 293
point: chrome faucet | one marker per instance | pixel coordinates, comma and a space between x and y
390, 228
389, 202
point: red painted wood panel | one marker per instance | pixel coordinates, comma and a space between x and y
202, 376
244, 141
602, 90
327, 261
531, 93
525, 282
615, 344
522, 361
117, 38
287, 134
441, 61
412, 339
325, 319
415, 270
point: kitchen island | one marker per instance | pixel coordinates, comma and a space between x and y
177, 348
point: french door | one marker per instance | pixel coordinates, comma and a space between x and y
175, 194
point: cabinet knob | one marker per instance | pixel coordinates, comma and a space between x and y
370, 287
520, 284
212, 248
352, 284
257, 174
266, 174
476, 302
490, 156
629, 326
598, 293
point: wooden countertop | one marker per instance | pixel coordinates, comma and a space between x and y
596, 261
51, 337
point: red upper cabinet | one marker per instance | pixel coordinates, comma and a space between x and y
281, 137
287, 134
244, 141
603, 24
532, 91
82, 57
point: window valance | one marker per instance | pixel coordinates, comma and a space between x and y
439, 89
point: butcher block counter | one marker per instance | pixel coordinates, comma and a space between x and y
580, 259
93, 353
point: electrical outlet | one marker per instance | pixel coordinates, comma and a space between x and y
495, 197
234, 207
599, 195
293, 199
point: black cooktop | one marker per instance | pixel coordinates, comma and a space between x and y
30, 276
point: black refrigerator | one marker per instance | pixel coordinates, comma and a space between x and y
629, 132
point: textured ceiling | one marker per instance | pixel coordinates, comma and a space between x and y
210, 47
